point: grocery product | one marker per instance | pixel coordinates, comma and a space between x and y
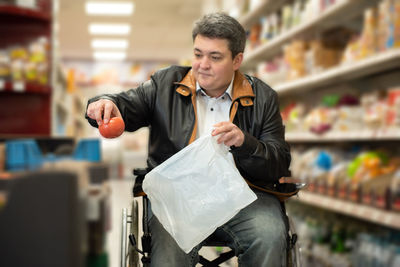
114, 128
368, 39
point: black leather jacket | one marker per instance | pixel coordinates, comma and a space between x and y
167, 102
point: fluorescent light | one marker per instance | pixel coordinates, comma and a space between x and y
110, 43
110, 29
109, 8
109, 55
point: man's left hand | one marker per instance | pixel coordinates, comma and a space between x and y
229, 133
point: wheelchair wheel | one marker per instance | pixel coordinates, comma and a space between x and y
134, 229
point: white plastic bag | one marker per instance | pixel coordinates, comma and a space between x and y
197, 190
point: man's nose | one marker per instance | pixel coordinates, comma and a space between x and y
205, 63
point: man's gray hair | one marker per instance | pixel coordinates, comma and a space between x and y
220, 25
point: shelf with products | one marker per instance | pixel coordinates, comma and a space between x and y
335, 239
379, 216
23, 87
26, 68
377, 63
328, 18
367, 111
380, 135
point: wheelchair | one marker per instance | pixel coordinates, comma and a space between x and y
130, 251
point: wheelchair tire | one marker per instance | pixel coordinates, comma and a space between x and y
134, 229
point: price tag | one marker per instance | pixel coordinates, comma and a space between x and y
2, 85
18, 86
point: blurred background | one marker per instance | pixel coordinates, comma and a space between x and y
334, 63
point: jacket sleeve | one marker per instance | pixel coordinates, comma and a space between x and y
136, 105
264, 159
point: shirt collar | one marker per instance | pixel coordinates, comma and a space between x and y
228, 90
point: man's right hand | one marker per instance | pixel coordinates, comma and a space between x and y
102, 110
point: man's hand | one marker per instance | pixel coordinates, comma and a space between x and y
229, 133
102, 110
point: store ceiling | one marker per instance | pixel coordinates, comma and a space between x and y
160, 29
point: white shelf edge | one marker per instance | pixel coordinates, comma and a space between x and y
373, 64
269, 48
248, 19
382, 217
392, 134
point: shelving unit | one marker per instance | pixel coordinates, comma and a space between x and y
367, 213
30, 109
25, 108
335, 77
374, 64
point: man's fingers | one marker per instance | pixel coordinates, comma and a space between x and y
102, 110
99, 113
90, 111
108, 108
229, 134
115, 112
222, 127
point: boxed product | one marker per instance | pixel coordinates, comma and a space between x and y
374, 192
368, 41
295, 54
393, 108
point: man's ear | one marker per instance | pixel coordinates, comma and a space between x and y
237, 61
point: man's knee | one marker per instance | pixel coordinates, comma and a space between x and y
271, 231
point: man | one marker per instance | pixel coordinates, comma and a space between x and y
181, 104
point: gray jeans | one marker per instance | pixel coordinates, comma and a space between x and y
257, 234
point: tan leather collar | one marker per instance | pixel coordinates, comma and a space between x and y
241, 87
188, 84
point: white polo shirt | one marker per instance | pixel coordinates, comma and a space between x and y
211, 110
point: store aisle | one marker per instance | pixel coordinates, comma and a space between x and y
120, 197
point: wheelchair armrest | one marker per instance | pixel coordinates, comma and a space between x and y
140, 171
137, 188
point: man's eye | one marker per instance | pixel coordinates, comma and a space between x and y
215, 58
197, 55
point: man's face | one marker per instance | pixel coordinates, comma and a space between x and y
213, 66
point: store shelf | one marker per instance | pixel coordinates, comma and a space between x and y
265, 7
341, 9
23, 87
371, 214
367, 135
374, 64
24, 13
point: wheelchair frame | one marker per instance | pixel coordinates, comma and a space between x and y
293, 250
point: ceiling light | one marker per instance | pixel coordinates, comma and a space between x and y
110, 43
110, 29
109, 55
109, 8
